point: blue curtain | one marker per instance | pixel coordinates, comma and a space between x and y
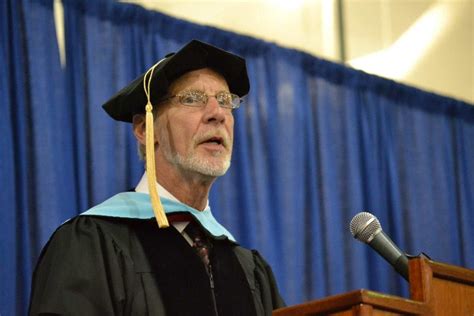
35, 145
315, 143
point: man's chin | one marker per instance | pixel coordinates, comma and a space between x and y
212, 169
210, 166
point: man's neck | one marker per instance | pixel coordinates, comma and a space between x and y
192, 198
190, 189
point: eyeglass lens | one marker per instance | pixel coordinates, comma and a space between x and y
199, 98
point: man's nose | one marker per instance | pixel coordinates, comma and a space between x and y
214, 112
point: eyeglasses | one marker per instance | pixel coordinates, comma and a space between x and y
198, 98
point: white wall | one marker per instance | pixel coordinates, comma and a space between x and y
424, 43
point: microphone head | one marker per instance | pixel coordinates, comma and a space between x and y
364, 226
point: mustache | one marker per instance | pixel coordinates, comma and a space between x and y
206, 136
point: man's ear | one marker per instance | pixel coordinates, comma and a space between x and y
139, 128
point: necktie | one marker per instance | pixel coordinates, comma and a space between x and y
201, 242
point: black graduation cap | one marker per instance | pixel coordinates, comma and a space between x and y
195, 55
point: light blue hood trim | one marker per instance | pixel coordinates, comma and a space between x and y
138, 205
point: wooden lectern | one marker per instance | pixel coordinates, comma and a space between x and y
435, 289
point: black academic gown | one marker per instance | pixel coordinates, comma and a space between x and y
96, 265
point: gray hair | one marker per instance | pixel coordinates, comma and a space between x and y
141, 151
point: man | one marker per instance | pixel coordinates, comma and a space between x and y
114, 259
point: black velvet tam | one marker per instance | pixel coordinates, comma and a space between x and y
195, 55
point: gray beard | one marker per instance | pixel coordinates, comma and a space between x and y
197, 164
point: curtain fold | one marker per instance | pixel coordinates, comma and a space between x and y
35, 148
315, 143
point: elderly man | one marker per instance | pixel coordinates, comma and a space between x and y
114, 259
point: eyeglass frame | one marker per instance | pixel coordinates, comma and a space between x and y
206, 100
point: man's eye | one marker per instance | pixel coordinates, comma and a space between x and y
188, 99
224, 99
191, 98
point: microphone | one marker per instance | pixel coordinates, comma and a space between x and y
366, 228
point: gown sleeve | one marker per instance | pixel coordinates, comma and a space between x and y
265, 280
81, 271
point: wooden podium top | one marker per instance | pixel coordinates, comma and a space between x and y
444, 288
355, 303
435, 289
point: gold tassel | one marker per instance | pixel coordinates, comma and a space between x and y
150, 155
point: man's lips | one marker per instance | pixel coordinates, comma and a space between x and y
213, 141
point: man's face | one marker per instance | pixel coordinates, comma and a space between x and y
196, 139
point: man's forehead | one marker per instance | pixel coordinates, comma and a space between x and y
199, 79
